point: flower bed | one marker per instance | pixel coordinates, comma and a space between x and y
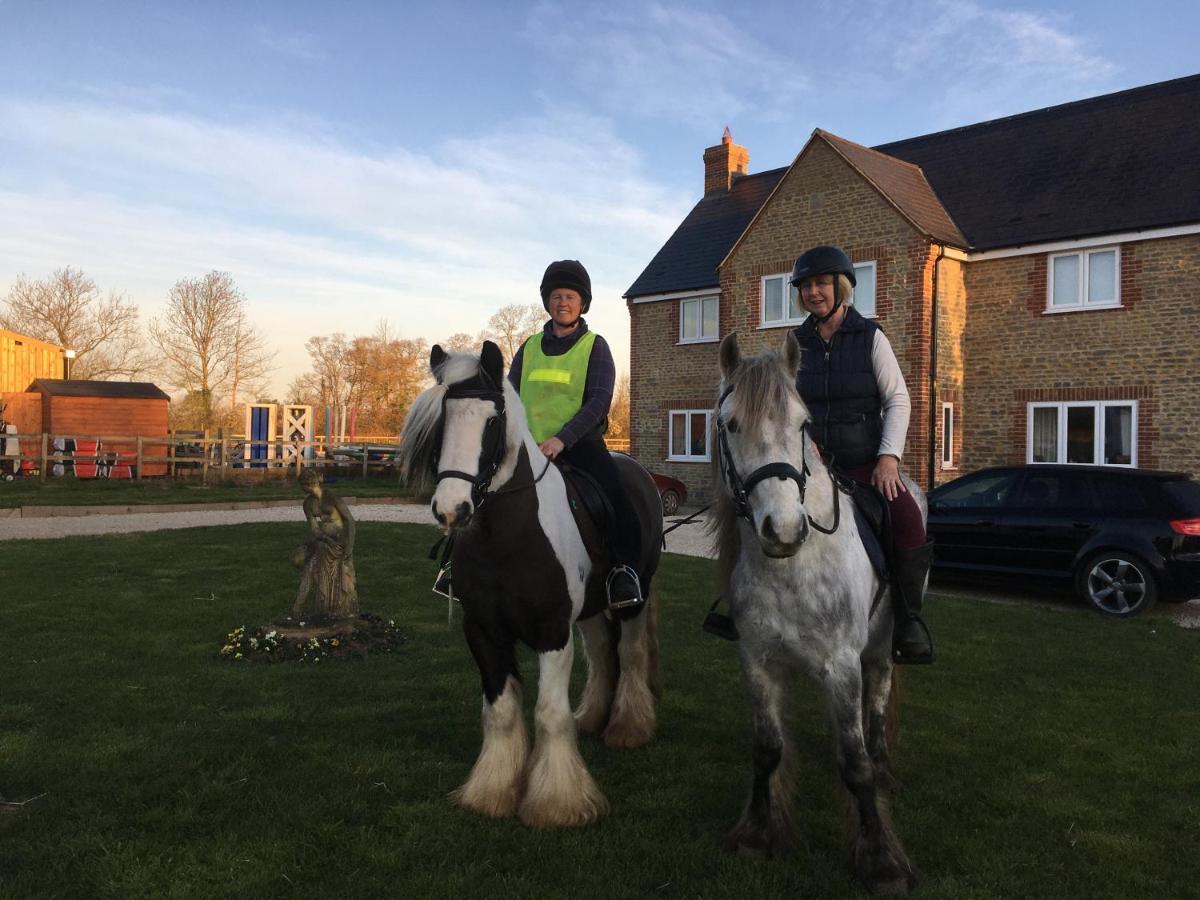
312, 640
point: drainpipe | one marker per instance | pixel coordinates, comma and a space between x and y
933, 360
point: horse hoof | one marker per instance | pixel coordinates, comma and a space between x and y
495, 806
590, 721
559, 815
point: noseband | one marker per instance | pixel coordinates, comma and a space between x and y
740, 488
491, 447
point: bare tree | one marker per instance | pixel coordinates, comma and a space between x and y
203, 341
461, 342
67, 309
618, 412
510, 325
250, 364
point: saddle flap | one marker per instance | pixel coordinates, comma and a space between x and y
874, 526
591, 508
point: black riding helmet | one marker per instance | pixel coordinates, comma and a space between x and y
567, 273
824, 260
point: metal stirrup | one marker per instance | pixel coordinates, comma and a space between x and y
621, 604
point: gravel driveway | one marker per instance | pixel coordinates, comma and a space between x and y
690, 539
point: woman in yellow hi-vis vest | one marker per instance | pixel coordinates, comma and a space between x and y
565, 377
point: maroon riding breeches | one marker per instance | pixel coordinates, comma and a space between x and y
908, 530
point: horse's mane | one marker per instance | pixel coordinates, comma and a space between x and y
760, 386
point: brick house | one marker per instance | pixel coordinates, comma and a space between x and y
1037, 275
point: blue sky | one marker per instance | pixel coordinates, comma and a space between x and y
422, 163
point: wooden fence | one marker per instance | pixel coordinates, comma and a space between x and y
192, 455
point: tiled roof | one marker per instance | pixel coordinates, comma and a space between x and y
1120, 162
59, 387
904, 185
689, 258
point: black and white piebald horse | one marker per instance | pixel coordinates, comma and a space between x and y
523, 572
805, 599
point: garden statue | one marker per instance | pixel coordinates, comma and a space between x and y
327, 558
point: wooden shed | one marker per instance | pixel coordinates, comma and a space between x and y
23, 358
102, 411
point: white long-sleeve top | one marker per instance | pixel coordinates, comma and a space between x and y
893, 395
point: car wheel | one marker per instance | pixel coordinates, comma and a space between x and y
1116, 583
670, 502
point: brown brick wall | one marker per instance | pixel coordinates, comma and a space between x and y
821, 201
1148, 349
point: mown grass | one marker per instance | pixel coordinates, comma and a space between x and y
1047, 754
102, 492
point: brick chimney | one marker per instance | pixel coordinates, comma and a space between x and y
722, 162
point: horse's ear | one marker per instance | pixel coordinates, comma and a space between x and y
729, 354
491, 362
437, 356
791, 353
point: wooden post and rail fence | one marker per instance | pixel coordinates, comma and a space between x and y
192, 454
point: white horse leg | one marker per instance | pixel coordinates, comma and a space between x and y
633, 718
592, 714
879, 858
494, 786
766, 826
877, 718
559, 789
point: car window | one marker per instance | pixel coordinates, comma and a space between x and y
1121, 495
1052, 491
989, 490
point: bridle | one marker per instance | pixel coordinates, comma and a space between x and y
491, 446
740, 488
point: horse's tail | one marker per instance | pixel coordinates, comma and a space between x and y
891, 715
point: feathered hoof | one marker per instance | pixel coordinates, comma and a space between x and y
625, 735
751, 841
882, 873
494, 804
562, 800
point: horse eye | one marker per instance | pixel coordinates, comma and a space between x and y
732, 426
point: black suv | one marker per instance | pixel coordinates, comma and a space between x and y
1125, 537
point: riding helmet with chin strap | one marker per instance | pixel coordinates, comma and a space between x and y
567, 273
824, 260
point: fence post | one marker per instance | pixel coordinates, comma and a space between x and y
204, 448
171, 454
45, 455
138, 475
224, 457
366, 456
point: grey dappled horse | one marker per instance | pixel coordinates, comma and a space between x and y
804, 598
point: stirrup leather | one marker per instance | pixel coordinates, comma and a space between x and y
442, 584
632, 601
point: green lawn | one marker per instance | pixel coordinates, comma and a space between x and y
1049, 753
102, 492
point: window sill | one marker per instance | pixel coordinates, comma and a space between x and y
1093, 307
688, 459
707, 340
768, 326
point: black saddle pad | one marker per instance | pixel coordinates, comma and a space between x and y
874, 526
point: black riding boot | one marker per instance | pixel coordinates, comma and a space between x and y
911, 643
624, 587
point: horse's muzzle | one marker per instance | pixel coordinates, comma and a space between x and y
458, 517
777, 547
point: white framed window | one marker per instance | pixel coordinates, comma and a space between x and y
687, 435
780, 302
1089, 279
1097, 433
947, 435
697, 320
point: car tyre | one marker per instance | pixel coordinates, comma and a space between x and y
1116, 583
670, 502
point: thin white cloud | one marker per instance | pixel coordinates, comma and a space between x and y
321, 236
297, 46
667, 61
